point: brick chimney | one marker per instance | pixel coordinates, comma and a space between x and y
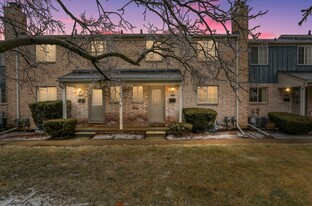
240, 19
15, 24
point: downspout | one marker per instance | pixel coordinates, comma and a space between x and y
236, 91
17, 87
303, 98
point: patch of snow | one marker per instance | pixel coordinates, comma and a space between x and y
21, 135
121, 136
203, 136
36, 198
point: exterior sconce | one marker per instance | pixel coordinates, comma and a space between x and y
172, 91
80, 94
81, 98
287, 90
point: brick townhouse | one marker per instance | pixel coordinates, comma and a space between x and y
154, 92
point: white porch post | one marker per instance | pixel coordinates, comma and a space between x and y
121, 110
180, 102
64, 102
302, 100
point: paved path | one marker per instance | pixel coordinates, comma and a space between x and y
84, 141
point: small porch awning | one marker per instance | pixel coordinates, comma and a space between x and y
294, 79
127, 75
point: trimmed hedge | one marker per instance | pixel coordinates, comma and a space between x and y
60, 128
291, 123
46, 110
202, 119
180, 128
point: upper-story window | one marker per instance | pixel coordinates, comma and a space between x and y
207, 95
46, 94
305, 55
138, 94
206, 50
98, 47
115, 93
259, 55
258, 95
46, 53
153, 56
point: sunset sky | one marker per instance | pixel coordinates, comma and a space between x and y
282, 18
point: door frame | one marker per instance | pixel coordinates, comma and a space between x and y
90, 106
163, 89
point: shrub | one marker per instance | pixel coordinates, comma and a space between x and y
60, 128
43, 111
202, 119
291, 123
180, 128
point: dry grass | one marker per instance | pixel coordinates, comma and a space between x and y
268, 174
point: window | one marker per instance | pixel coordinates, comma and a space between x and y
259, 55
305, 55
207, 50
151, 56
47, 94
2, 96
45, 53
258, 95
138, 94
115, 93
97, 97
98, 47
207, 94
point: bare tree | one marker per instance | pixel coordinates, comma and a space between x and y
305, 15
182, 21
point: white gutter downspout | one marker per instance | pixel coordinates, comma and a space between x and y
236, 91
303, 99
17, 87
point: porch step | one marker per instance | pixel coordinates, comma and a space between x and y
155, 134
85, 134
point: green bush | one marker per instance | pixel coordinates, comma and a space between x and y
180, 128
43, 111
291, 123
60, 128
202, 119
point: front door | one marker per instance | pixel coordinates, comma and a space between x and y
96, 112
156, 111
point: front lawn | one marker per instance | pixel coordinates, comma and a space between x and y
262, 174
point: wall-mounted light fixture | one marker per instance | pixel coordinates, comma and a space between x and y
287, 89
172, 91
80, 94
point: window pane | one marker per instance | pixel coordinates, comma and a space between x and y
97, 97
212, 94
47, 94
202, 94
98, 47
151, 56
253, 95
307, 55
115, 93
301, 55
138, 93
46, 53
263, 55
254, 55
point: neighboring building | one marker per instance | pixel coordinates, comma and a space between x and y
155, 92
280, 75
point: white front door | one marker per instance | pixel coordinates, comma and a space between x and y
156, 104
96, 111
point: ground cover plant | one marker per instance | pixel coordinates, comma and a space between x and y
262, 174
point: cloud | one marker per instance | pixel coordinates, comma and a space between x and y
267, 35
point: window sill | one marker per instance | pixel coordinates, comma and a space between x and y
46, 62
3, 104
258, 103
206, 103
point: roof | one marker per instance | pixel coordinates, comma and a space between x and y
128, 75
294, 79
284, 40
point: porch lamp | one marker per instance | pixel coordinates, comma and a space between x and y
287, 89
172, 91
79, 92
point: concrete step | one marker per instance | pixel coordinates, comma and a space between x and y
155, 134
85, 134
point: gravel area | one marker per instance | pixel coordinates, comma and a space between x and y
24, 135
217, 135
117, 136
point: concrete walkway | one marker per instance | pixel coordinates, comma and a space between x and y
161, 141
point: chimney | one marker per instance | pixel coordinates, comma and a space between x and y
309, 33
15, 21
240, 19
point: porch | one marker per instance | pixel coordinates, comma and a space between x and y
133, 97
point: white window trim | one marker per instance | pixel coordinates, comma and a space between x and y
45, 55
46, 99
142, 95
257, 102
206, 87
96, 47
304, 47
267, 56
151, 56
